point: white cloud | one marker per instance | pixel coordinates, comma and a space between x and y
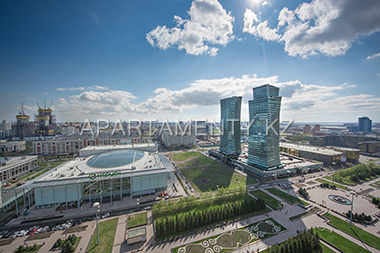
95, 87
262, 30
208, 23
299, 100
94, 17
378, 74
373, 56
322, 26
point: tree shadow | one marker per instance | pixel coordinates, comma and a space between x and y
357, 236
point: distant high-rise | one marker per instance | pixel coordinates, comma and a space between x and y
365, 125
264, 131
230, 124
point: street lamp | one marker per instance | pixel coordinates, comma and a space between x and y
352, 206
97, 205
288, 181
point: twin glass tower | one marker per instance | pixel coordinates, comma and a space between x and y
264, 127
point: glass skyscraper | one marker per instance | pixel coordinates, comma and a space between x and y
230, 125
264, 130
365, 125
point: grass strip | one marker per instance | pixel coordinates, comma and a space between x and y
274, 203
39, 236
354, 231
291, 199
75, 230
107, 230
331, 183
339, 241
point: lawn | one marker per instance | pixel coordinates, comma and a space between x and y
331, 183
205, 174
107, 231
339, 241
354, 231
179, 157
137, 219
291, 199
274, 203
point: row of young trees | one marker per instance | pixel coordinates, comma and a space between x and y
303, 193
359, 217
223, 194
305, 241
328, 186
67, 246
26, 248
376, 201
193, 219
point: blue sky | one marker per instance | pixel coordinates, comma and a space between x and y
175, 59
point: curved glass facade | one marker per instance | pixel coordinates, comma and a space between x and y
115, 158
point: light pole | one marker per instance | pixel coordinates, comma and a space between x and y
288, 181
352, 206
97, 205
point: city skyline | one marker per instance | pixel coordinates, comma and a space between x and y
177, 59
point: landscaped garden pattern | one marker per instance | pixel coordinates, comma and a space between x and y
291, 199
233, 239
339, 241
203, 173
269, 200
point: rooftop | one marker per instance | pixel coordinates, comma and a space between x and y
15, 159
313, 149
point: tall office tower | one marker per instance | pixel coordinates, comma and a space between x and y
230, 125
264, 131
365, 125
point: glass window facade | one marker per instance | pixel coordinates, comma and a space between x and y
230, 125
264, 131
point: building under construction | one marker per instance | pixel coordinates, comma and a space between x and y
23, 128
46, 121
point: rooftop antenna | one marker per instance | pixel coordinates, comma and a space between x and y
22, 108
44, 103
39, 107
51, 104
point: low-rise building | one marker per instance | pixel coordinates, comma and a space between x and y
329, 157
12, 146
15, 167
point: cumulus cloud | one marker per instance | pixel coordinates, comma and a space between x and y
322, 26
208, 24
373, 56
261, 30
297, 99
95, 87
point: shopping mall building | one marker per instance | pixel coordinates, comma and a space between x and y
109, 173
